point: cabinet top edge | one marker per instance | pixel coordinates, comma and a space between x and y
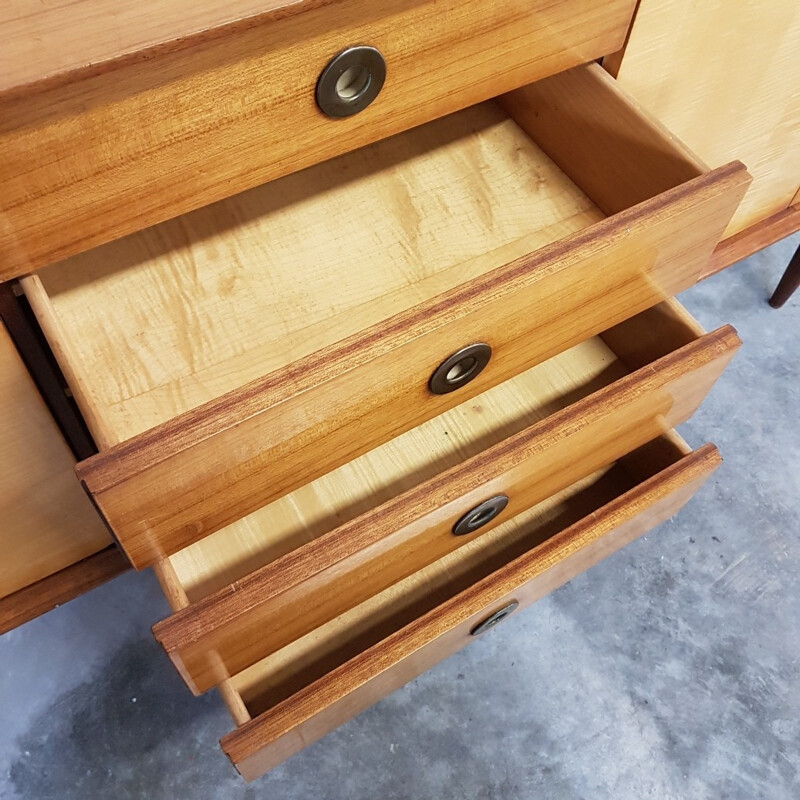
49, 45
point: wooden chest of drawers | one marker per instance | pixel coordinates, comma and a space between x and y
360, 412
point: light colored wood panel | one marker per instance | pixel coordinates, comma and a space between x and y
613, 149
253, 617
47, 521
197, 124
725, 80
350, 688
176, 315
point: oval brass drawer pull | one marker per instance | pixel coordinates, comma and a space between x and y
351, 81
460, 368
480, 515
493, 619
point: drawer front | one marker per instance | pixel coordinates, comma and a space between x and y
239, 625
210, 466
309, 714
234, 107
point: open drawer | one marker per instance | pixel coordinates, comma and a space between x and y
233, 355
508, 449
319, 579
320, 681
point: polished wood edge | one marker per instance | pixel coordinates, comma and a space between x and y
43, 368
613, 61
192, 624
60, 587
288, 714
140, 453
743, 244
149, 54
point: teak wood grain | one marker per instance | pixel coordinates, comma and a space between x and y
46, 522
725, 80
197, 118
348, 689
63, 41
213, 464
252, 618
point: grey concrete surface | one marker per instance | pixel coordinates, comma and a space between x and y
668, 671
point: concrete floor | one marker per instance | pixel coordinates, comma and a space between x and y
668, 671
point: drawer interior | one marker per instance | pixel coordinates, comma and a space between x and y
182, 313
287, 671
174, 316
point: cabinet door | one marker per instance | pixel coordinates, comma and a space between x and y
725, 82
48, 524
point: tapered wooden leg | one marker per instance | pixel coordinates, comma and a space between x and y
788, 283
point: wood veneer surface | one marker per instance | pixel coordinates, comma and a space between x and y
723, 77
46, 521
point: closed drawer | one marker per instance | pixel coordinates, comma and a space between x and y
328, 677
201, 103
234, 355
617, 392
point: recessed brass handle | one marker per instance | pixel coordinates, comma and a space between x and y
493, 619
460, 368
481, 515
351, 81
